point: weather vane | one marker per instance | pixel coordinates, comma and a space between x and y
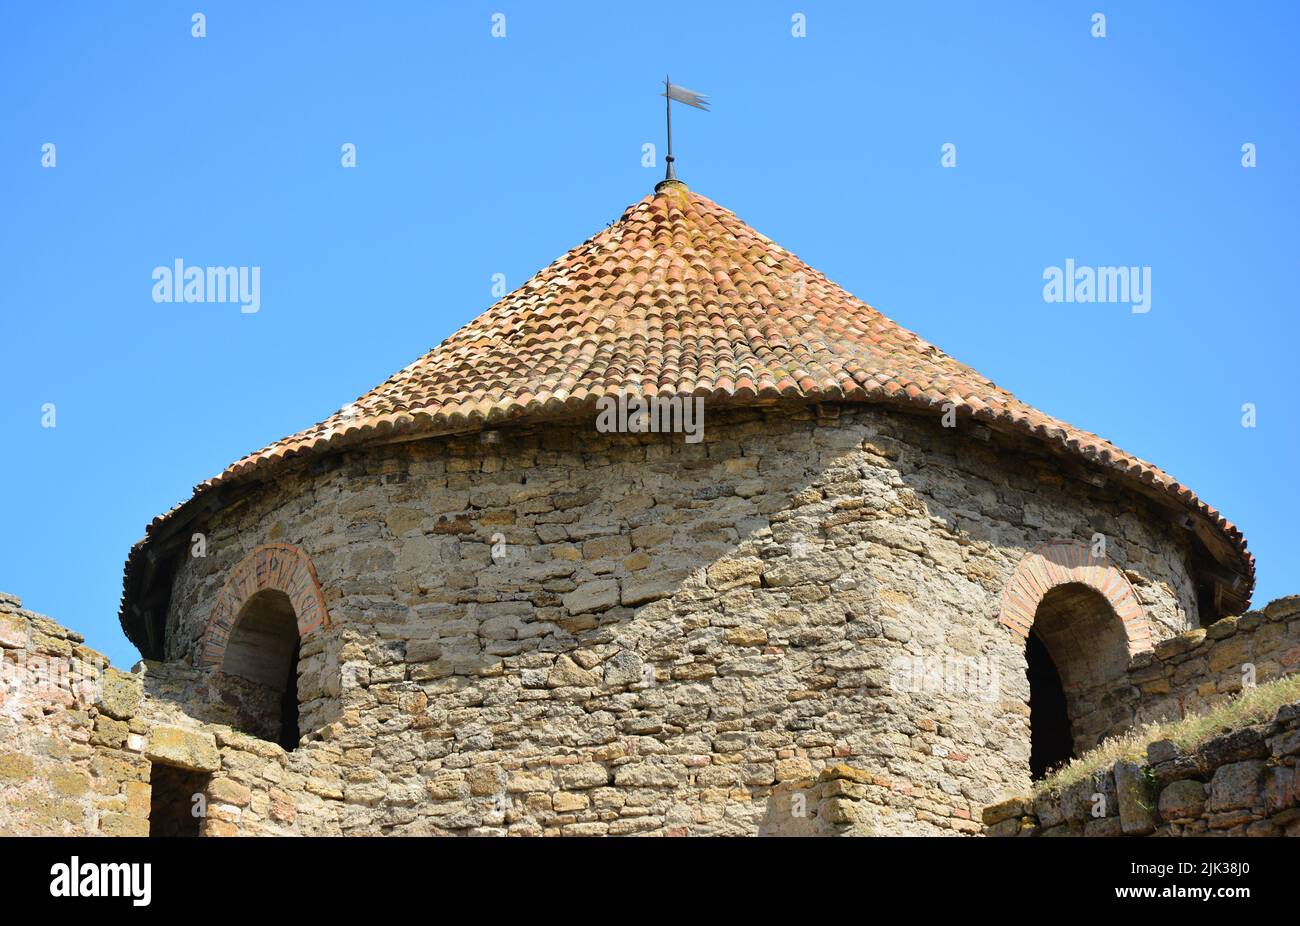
681, 95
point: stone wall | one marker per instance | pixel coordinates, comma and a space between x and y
1199, 668
1242, 783
555, 631
65, 764
81, 742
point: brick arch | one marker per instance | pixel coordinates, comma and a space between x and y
1061, 562
279, 566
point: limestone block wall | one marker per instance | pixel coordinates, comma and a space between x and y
556, 631
1243, 783
65, 764
1193, 671
81, 744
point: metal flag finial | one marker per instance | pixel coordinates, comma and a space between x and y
681, 95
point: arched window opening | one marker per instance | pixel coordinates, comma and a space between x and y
263, 651
1077, 645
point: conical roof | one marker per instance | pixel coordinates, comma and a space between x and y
681, 297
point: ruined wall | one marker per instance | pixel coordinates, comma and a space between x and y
1241, 783
1199, 668
671, 637
80, 742
65, 763
256, 787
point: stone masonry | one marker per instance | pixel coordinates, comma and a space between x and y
670, 632
1189, 673
1242, 783
79, 739
557, 631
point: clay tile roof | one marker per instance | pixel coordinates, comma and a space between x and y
680, 297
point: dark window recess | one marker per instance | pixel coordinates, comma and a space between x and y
177, 802
1050, 740
289, 704
1207, 612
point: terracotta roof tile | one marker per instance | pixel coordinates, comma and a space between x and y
679, 296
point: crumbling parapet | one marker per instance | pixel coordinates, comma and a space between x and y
1240, 783
1193, 671
81, 744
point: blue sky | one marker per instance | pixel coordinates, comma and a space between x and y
479, 155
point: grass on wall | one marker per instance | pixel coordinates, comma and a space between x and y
1253, 705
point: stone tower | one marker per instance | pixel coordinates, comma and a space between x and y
519, 588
